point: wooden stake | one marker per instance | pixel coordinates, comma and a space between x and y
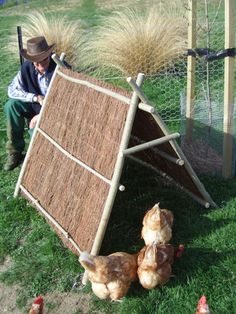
227, 170
191, 69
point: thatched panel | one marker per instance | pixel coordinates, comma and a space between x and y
85, 122
145, 128
69, 193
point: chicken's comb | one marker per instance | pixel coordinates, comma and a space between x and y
202, 300
180, 251
38, 300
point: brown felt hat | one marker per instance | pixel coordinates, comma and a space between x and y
37, 49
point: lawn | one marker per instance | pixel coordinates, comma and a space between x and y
40, 264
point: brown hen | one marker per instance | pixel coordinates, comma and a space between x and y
157, 225
154, 265
110, 275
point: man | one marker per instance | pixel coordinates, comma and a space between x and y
26, 93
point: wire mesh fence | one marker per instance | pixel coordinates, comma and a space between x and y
166, 89
205, 151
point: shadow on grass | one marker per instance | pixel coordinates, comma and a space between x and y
144, 189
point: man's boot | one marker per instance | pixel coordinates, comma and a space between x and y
13, 161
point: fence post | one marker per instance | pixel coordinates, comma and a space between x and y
192, 6
20, 45
227, 168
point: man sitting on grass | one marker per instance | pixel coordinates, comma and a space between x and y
26, 93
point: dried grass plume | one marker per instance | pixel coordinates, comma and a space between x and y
67, 35
134, 41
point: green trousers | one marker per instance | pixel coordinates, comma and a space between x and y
16, 113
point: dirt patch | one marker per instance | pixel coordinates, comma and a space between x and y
8, 296
66, 303
55, 302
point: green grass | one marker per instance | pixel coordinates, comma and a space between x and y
41, 263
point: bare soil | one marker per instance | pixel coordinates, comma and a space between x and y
55, 303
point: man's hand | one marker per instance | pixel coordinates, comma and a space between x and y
33, 121
40, 99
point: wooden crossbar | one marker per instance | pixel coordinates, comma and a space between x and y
149, 144
168, 157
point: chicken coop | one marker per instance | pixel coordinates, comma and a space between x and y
86, 129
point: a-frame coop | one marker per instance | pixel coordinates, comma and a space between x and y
74, 162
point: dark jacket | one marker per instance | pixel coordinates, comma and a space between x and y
30, 82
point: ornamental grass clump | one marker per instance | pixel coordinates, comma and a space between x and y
66, 35
130, 42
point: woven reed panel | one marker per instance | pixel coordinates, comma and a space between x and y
85, 122
72, 195
145, 128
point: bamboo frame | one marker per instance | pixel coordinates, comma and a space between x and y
175, 146
150, 144
227, 170
17, 188
191, 68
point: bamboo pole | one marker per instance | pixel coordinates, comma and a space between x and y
150, 144
17, 188
191, 67
146, 107
58, 61
228, 91
166, 156
103, 90
117, 172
